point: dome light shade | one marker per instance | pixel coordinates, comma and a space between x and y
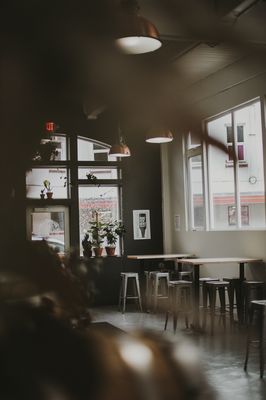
140, 36
159, 136
119, 150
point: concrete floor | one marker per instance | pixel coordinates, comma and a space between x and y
222, 354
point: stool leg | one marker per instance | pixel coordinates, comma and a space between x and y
212, 296
124, 294
176, 295
186, 303
251, 314
120, 294
222, 302
246, 305
155, 294
204, 303
170, 305
230, 292
166, 319
239, 301
147, 276
261, 349
139, 295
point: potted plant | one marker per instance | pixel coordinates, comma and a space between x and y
113, 230
87, 245
97, 234
47, 185
42, 194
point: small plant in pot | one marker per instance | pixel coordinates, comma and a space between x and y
87, 245
42, 194
113, 230
49, 192
97, 234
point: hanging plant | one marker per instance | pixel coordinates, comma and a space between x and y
92, 178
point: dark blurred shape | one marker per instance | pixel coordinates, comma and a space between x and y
43, 358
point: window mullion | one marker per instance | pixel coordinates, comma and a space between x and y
236, 173
205, 182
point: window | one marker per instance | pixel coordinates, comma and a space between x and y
83, 197
222, 198
49, 223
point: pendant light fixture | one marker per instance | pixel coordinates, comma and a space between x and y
159, 136
137, 35
120, 149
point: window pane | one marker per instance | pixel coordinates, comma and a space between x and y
229, 132
240, 152
197, 203
91, 151
193, 140
50, 224
221, 175
104, 200
53, 148
56, 176
99, 172
240, 133
251, 175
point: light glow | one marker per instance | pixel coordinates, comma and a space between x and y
138, 44
136, 355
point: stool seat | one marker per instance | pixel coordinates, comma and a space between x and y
259, 302
218, 283
208, 279
123, 295
180, 283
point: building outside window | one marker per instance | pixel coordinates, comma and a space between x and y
239, 143
225, 193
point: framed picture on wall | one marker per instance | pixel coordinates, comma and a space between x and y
141, 224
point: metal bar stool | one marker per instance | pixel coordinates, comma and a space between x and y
180, 301
212, 288
256, 306
123, 295
234, 297
203, 282
157, 282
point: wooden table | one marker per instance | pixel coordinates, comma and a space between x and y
144, 257
197, 262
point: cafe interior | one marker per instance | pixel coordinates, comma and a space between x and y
133, 213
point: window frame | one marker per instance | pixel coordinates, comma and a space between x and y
72, 164
191, 152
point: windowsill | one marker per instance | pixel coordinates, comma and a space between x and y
241, 163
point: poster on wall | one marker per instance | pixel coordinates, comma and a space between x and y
141, 224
